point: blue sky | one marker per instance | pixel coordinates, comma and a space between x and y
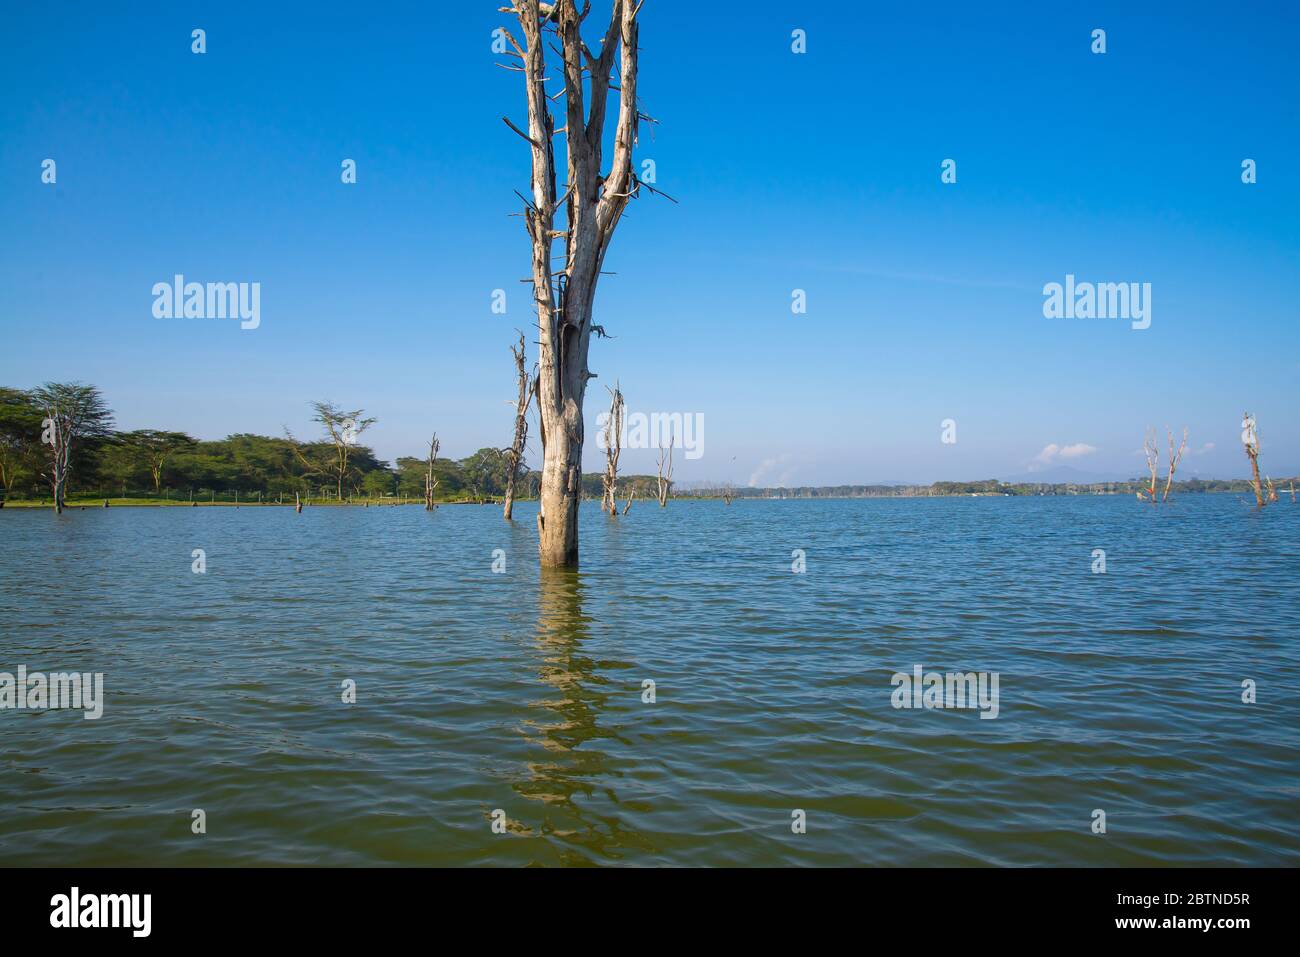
818, 171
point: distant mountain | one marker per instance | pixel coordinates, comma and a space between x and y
1063, 473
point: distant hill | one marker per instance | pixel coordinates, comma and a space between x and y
1063, 474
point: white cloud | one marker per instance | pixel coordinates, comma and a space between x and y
1077, 449
1053, 453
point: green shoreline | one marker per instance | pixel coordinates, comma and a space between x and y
171, 503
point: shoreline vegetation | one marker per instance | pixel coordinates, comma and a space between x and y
591, 483
58, 443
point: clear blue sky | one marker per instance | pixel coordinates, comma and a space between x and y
818, 171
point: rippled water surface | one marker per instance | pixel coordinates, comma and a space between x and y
479, 691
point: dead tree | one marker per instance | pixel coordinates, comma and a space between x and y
1272, 492
430, 482
515, 454
1152, 451
592, 203
1174, 459
665, 478
1250, 439
613, 446
630, 498
728, 493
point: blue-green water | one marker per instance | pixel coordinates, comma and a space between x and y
479, 691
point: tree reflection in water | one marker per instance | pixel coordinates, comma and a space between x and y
582, 815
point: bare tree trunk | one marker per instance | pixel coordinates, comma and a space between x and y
515, 454
430, 483
593, 204
1152, 451
613, 447
1250, 439
665, 479
1174, 459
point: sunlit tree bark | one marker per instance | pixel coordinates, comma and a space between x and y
592, 204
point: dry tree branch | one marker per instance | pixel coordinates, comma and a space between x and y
1153, 464
1174, 459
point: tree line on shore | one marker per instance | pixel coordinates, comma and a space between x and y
984, 487
59, 440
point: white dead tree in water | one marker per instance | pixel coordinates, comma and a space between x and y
665, 477
430, 482
592, 203
515, 454
1174, 459
1152, 451
613, 446
1250, 439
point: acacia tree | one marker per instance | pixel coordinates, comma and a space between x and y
20, 436
73, 414
343, 429
156, 447
593, 202
515, 454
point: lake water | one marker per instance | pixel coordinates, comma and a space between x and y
479, 691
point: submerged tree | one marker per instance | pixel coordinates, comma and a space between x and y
515, 454
592, 203
1174, 459
73, 414
1250, 439
430, 481
613, 447
665, 480
1152, 451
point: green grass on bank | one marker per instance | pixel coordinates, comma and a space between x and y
84, 502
